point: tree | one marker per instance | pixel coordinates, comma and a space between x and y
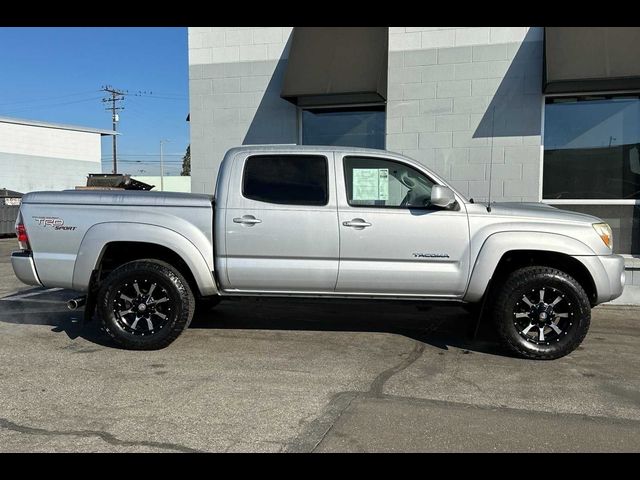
186, 163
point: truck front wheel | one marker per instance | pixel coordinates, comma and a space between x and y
145, 304
542, 313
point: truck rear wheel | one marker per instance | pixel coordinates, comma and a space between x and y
542, 313
145, 304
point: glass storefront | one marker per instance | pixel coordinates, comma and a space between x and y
351, 127
591, 153
592, 148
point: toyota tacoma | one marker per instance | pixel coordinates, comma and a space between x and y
303, 221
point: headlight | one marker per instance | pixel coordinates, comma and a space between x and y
604, 232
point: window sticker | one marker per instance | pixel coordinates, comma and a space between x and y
370, 184
383, 184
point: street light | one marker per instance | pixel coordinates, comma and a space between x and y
162, 141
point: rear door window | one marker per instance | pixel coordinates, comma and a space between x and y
287, 179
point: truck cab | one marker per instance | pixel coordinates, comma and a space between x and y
331, 222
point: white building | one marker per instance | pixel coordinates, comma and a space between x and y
168, 183
47, 156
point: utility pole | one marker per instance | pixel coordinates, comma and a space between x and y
115, 97
162, 165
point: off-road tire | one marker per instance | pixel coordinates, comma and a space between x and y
181, 304
528, 281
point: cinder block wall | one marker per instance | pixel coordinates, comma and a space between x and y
458, 97
453, 89
235, 78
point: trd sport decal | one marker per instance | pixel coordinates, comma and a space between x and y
54, 222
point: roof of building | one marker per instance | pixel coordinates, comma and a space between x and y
60, 126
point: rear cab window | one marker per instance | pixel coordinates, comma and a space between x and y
287, 179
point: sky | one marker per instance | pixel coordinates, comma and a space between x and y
55, 74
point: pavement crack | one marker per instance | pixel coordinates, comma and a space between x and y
377, 386
105, 436
315, 431
456, 376
335, 420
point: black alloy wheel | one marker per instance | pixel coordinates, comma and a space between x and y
145, 304
142, 306
544, 315
541, 313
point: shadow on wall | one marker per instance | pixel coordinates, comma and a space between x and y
516, 107
275, 120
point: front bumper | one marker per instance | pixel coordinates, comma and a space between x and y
608, 275
614, 266
24, 268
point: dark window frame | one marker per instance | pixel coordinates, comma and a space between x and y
375, 107
388, 207
574, 98
317, 156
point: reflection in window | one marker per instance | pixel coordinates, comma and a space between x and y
350, 127
592, 148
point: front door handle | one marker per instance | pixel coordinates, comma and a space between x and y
248, 220
357, 223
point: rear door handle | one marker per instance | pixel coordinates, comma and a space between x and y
357, 223
248, 220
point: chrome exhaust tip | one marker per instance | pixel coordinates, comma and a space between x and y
76, 303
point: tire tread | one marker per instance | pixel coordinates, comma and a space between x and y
174, 277
516, 279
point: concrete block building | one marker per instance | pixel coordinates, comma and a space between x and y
47, 156
526, 114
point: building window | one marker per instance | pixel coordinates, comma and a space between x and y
350, 127
592, 161
286, 179
592, 148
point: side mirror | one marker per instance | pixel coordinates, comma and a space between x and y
442, 196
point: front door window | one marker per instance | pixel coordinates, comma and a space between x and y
376, 182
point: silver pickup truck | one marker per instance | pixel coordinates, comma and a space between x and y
319, 222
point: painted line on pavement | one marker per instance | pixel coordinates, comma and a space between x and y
32, 294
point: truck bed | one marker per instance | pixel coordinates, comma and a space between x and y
119, 197
69, 230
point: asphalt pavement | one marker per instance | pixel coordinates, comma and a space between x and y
280, 375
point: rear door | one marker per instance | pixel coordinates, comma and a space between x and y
391, 240
281, 230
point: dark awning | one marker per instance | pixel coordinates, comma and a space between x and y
585, 59
337, 65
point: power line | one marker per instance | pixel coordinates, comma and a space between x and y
36, 100
158, 97
143, 113
165, 96
31, 107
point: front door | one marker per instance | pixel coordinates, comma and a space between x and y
391, 240
280, 224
